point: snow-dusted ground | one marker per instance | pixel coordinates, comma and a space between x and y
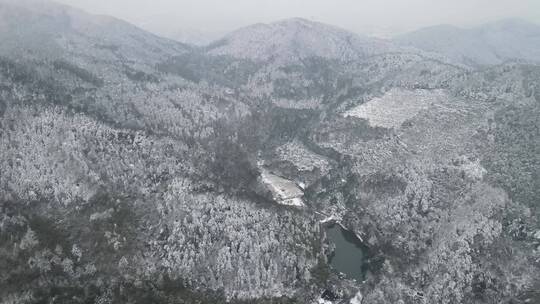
323, 301
396, 106
357, 299
329, 219
313, 103
285, 192
304, 159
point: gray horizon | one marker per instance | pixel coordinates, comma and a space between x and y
372, 17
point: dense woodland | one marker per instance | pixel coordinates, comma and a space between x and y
130, 171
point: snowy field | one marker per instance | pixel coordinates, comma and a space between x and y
396, 106
285, 192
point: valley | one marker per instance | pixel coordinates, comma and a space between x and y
137, 169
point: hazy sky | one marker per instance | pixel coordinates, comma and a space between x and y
356, 15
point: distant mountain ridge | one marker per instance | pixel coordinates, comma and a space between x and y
296, 38
45, 25
293, 39
136, 169
488, 44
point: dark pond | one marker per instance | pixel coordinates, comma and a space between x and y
349, 255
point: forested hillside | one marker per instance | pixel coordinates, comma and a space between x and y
136, 169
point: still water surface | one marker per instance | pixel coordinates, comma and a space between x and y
348, 257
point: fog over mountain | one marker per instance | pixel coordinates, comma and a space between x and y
363, 17
295, 39
491, 43
286, 161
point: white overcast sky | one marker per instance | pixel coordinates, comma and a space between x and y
356, 15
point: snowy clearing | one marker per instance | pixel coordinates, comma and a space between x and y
357, 298
284, 191
396, 106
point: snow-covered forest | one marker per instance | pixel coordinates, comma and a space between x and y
137, 169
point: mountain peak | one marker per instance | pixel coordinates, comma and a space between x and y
293, 39
27, 26
297, 21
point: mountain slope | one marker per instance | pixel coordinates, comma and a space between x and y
127, 181
40, 27
488, 44
295, 39
108, 161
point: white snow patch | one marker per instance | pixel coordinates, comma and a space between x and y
329, 219
301, 104
298, 202
285, 192
396, 106
101, 216
472, 168
357, 299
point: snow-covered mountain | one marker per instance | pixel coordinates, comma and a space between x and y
491, 43
293, 39
135, 169
46, 28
